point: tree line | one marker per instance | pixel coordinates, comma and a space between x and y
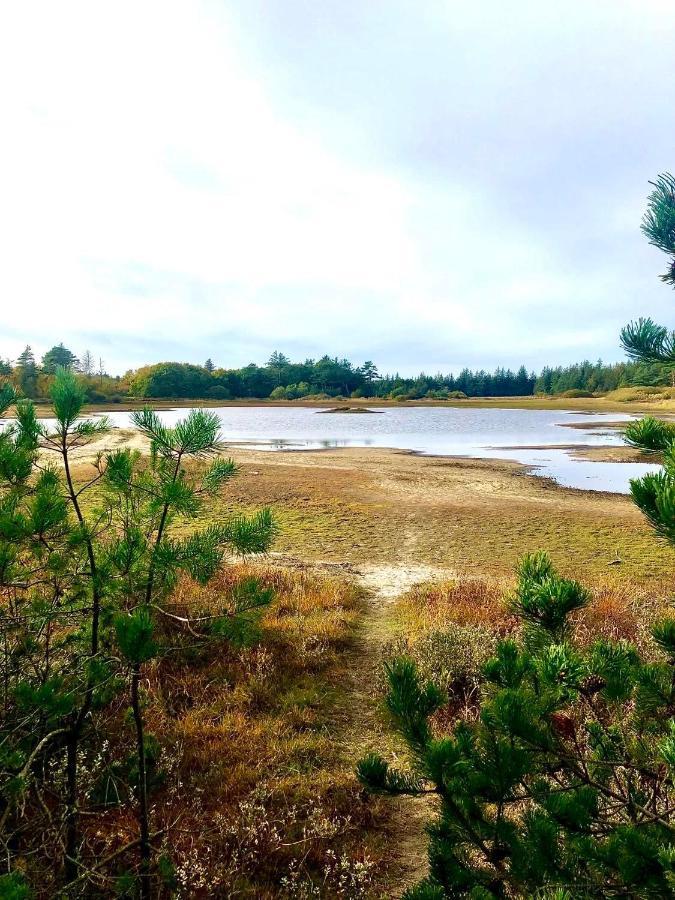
597, 377
282, 379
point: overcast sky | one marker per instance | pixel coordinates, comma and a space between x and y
426, 183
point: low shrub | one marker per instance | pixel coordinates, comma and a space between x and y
461, 601
452, 657
576, 393
404, 393
218, 392
616, 611
560, 783
640, 394
320, 396
261, 793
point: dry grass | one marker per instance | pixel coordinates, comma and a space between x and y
618, 610
253, 737
466, 601
451, 628
622, 611
255, 794
641, 394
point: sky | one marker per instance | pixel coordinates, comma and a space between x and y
429, 184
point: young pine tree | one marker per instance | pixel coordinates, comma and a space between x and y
563, 786
648, 342
87, 565
144, 559
27, 372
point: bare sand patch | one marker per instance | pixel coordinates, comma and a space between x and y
389, 582
115, 439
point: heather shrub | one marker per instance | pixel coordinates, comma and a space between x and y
576, 393
452, 657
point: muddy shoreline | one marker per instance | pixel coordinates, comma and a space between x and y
130, 438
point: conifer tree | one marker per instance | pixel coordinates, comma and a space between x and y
59, 357
27, 372
563, 787
643, 339
144, 561
646, 341
86, 571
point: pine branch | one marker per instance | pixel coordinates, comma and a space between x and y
658, 222
645, 341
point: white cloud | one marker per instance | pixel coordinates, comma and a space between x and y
165, 193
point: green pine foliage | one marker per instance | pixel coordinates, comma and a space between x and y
646, 341
658, 223
655, 493
86, 575
563, 785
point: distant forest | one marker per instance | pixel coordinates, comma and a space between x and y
281, 379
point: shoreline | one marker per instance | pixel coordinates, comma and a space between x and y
120, 438
376, 507
583, 406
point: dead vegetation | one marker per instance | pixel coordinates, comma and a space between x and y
451, 628
253, 794
618, 610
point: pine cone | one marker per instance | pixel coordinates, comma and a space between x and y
563, 725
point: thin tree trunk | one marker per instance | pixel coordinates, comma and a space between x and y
79, 719
142, 791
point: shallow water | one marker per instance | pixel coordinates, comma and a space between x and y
445, 431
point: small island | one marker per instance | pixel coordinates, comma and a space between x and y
352, 410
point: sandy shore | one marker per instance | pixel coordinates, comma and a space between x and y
604, 453
384, 508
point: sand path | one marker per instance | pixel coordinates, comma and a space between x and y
408, 816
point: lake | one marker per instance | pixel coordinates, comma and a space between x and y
527, 436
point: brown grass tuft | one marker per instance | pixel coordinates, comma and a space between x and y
465, 601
